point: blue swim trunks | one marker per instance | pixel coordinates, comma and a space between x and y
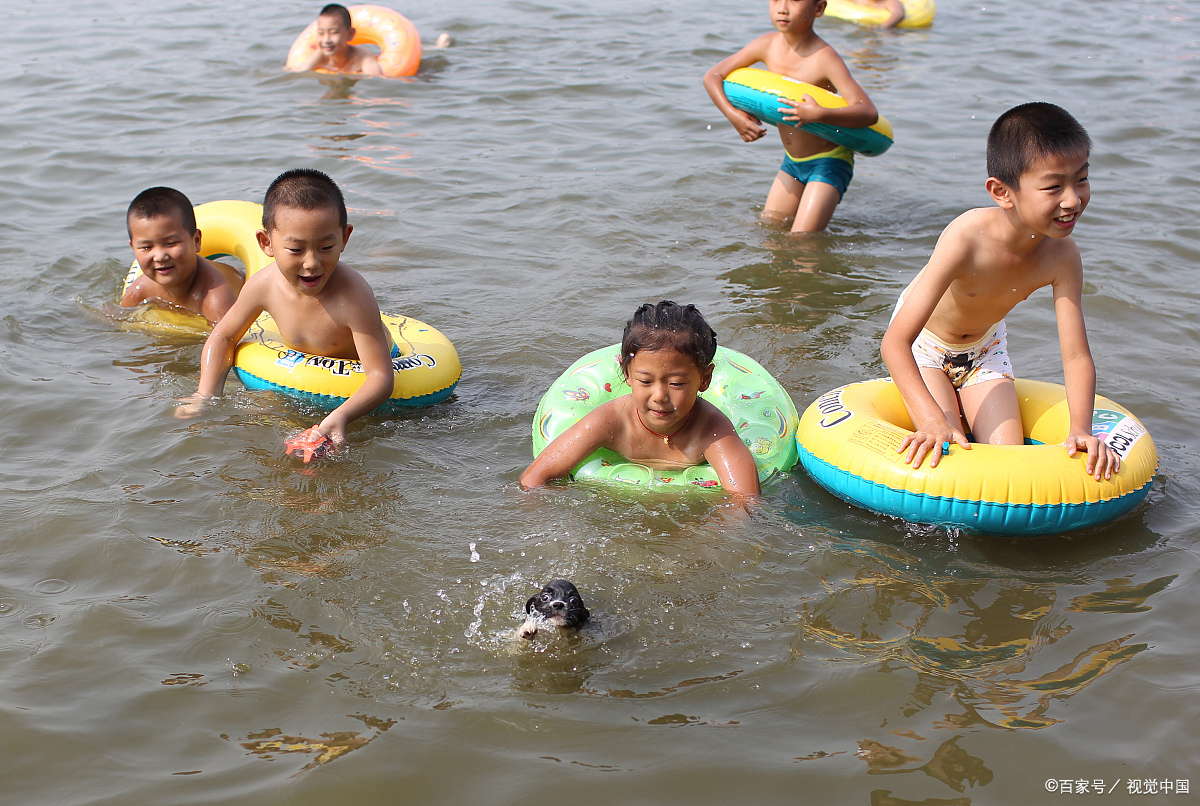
834, 167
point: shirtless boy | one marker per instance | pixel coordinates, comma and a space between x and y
320, 305
815, 172
162, 233
334, 51
946, 346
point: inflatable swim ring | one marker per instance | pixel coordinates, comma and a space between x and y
917, 13
426, 366
848, 438
425, 363
396, 37
759, 408
758, 92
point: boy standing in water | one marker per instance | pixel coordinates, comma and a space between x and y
163, 235
334, 51
320, 305
815, 172
946, 346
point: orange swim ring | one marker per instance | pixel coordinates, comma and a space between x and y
391, 31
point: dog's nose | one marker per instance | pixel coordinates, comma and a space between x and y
557, 605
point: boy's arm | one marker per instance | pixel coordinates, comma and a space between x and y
134, 295
732, 461
896, 10
218, 301
1079, 374
308, 64
217, 356
858, 112
931, 429
369, 65
749, 127
595, 430
372, 344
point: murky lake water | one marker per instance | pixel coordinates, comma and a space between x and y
187, 617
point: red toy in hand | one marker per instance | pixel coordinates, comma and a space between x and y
309, 445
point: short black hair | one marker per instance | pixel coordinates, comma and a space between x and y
303, 189
669, 326
341, 12
1026, 132
161, 201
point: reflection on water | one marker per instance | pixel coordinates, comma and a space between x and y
272, 742
988, 639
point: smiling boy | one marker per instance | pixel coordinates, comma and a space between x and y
946, 347
320, 305
815, 173
334, 52
166, 243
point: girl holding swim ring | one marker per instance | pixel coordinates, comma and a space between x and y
667, 359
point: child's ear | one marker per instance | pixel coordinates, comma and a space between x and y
346, 235
197, 239
264, 242
820, 8
706, 377
999, 192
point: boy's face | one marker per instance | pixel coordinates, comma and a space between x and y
664, 384
306, 245
333, 35
1052, 194
795, 16
165, 250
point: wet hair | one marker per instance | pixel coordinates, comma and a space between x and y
1027, 132
161, 201
335, 10
668, 326
303, 189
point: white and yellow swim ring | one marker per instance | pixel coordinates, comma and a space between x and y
848, 439
758, 92
917, 13
390, 31
761, 411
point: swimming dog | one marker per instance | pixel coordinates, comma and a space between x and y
559, 603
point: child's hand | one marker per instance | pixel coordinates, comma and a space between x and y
334, 428
797, 113
748, 126
192, 406
1102, 460
933, 439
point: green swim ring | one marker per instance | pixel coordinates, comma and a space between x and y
761, 411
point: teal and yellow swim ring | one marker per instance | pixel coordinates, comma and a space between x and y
917, 13
758, 92
761, 411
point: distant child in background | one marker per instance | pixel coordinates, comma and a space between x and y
334, 51
946, 347
166, 244
667, 355
320, 305
815, 172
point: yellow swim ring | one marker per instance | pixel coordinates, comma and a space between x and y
917, 13
848, 440
392, 32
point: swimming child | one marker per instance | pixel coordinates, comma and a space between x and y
334, 51
320, 305
946, 346
667, 357
162, 232
815, 172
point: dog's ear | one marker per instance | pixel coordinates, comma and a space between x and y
529, 604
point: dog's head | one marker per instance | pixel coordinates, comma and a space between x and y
560, 604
